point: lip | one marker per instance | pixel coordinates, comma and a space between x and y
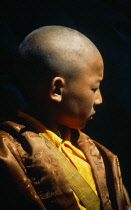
94, 112
91, 117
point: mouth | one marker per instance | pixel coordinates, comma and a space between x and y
91, 117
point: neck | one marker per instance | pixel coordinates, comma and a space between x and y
62, 131
46, 119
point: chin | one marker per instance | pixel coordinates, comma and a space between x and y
77, 127
82, 126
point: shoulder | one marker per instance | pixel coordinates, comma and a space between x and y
7, 135
14, 139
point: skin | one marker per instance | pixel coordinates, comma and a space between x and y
76, 100
70, 97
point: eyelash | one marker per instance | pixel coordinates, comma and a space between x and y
94, 89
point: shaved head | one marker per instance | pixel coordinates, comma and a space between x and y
56, 51
61, 70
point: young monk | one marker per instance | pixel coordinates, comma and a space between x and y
46, 161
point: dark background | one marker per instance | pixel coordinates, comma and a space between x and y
107, 23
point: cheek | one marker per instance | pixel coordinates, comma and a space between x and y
86, 105
75, 112
78, 103
81, 106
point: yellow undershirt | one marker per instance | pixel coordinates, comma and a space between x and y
75, 156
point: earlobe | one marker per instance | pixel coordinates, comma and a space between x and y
56, 89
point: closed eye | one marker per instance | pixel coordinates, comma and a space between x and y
94, 89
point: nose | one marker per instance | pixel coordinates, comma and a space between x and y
98, 98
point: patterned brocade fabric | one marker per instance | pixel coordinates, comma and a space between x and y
74, 155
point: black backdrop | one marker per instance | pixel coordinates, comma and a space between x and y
107, 23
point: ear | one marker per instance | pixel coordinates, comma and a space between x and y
56, 90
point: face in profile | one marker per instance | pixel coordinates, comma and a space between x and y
81, 95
